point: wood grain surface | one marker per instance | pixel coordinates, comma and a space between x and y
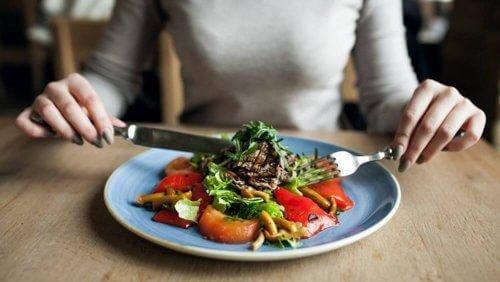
54, 225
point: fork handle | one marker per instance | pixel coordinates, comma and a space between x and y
387, 153
390, 154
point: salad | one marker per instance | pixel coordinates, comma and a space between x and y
256, 192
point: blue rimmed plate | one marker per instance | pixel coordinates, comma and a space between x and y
374, 189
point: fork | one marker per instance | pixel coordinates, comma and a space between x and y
347, 163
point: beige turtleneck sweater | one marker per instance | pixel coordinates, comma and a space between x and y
279, 61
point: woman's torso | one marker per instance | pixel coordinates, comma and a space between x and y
280, 61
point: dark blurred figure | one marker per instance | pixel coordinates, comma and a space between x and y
471, 55
426, 25
412, 20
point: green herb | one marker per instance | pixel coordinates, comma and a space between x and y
229, 201
247, 140
219, 186
303, 173
187, 209
286, 242
250, 210
201, 159
225, 136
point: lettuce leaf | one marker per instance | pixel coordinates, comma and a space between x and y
187, 209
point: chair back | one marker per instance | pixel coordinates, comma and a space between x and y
75, 42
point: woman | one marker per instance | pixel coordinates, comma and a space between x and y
280, 61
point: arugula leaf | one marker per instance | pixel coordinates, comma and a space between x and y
218, 186
187, 209
247, 139
200, 160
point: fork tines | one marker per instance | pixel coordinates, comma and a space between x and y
327, 163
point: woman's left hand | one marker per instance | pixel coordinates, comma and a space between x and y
431, 120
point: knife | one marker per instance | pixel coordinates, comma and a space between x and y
161, 138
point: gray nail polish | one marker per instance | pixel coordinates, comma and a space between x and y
77, 139
97, 142
108, 136
403, 166
49, 133
398, 151
420, 160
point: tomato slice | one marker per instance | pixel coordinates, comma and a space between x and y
334, 188
171, 218
178, 164
304, 210
199, 192
216, 226
181, 181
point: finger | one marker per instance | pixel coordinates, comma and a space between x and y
412, 114
448, 129
118, 122
432, 120
114, 121
32, 129
474, 128
51, 115
81, 89
58, 93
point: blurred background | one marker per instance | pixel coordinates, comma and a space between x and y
456, 42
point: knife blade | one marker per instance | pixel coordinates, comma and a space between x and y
161, 138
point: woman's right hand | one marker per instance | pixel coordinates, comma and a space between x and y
72, 110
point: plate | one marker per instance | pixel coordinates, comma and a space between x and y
373, 188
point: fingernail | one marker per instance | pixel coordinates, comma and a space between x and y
108, 136
49, 133
97, 142
420, 160
403, 166
77, 139
398, 151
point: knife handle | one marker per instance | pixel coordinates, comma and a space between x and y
121, 131
126, 132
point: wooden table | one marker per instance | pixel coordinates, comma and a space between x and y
54, 225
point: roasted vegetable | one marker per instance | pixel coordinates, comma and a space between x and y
171, 217
333, 188
304, 210
180, 181
218, 227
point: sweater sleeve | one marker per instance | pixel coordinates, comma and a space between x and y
386, 79
127, 43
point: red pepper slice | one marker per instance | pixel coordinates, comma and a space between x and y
171, 218
334, 188
199, 192
304, 210
181, 181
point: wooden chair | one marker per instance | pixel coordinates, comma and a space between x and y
75, 40
38, 53
348, 88
170, 80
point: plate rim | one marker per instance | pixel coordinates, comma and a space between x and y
282, 254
